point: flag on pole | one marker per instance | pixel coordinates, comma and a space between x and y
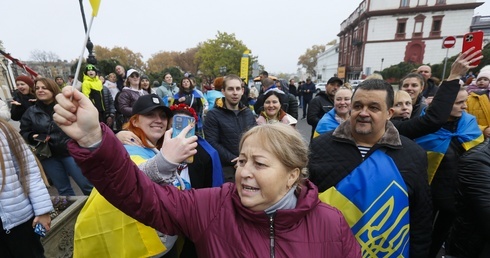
95, 7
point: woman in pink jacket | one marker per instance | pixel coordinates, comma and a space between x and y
271, 210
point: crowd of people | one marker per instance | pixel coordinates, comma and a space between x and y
386, 173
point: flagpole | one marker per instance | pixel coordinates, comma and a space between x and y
77, 71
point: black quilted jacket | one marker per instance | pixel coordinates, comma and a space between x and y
335, 154
470, 234
223, 129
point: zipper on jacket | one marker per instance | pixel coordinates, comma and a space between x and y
271, 234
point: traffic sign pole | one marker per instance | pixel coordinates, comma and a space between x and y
447, 43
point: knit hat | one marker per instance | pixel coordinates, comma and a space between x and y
90, 67
25, 79
485, 73
144, 77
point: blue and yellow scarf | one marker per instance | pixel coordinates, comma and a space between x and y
436, 144
374, 200
327, 123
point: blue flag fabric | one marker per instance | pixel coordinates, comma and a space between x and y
327, 123
436, 144
218, 179
374, 200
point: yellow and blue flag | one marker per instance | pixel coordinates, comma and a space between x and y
327, 123
374, 200
102, 230
436, 144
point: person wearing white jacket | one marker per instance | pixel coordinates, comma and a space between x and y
24, 199
4, 110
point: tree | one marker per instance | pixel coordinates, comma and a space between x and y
124, 56
395, 72
161, 60
186, 60
309, 58
223, 51
44, 57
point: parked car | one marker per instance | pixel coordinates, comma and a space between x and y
320, 87
355, 83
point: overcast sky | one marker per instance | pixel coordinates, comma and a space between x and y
277, 31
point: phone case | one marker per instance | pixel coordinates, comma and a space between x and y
473, 39
180, 122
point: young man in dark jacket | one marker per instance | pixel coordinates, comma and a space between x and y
307, 91
226, 122
376, 177
322, 102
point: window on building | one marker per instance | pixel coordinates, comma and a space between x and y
440, 1
400, 28
435, 30
422, 2
418, 26
404, 3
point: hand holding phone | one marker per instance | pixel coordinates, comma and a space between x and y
473, 39
179, 122
40, 230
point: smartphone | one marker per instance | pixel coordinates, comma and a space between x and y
42, 138
473, 39
40, 230
179, 122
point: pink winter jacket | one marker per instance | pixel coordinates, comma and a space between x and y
214, 218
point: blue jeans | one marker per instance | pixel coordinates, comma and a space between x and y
59, 169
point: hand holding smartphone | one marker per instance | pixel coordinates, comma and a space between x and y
473, 39
179, 122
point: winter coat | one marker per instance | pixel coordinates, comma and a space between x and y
4, 110
307, 96
223, 129
419, 105
470, 234
319, 106
17, 111
15, 207
436, 115
167, 90
334, 155
38, 119
214, 218
479, 106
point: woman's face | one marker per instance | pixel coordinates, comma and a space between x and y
413, 86
402, 106
22, 87
460, 104
272, 106
134, 79
145, 84
342, 101
112, 78
483, 82
153, 124
261, 178
42, 93
168, 79
186, 84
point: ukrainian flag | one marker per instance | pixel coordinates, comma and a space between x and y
327, 123
374, 200
102, 230
468, 134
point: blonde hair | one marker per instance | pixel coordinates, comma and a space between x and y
402, 93
375, 76
284, 142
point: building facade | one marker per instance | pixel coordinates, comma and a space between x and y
327, 63
382, 33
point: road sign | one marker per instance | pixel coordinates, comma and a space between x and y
449, 42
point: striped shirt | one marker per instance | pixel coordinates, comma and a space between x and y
363, 150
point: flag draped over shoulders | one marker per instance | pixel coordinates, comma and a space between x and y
374, 200
327, 123
436, 144
102, 230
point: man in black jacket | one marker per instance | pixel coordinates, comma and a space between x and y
322, 103
376, 177
226, 122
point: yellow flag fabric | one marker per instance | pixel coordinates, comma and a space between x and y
102, 230
95, 7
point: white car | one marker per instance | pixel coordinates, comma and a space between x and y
355, 83
320, 87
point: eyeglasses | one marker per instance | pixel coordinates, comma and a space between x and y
134, 75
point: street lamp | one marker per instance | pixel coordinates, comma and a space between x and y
222, 70
382, 60
90, 46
